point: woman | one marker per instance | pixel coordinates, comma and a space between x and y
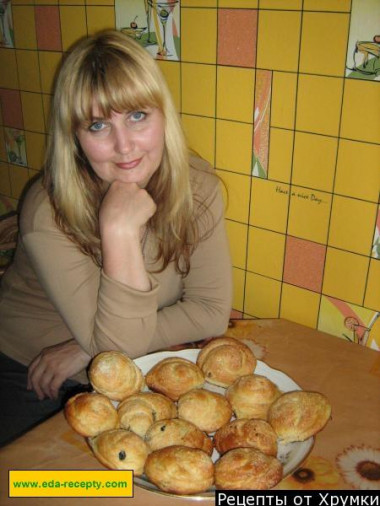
121, 246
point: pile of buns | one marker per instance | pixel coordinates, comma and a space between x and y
175, 429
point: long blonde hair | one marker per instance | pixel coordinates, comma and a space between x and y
119, 75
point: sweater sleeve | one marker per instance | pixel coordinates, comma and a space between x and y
205, 306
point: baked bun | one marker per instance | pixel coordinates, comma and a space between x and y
90, 413
245, 433
296, 416
115, 375
180, 470
247, 469
205, 409
225, 359
139, 411
252, 395
174, 376
120, 449
175, 431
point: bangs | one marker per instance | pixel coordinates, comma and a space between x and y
114, 85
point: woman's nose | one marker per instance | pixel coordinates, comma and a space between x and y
123, 140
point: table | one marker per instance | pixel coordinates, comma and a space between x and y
345, 456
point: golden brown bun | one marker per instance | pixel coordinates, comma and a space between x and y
174, 376
139, 411
225, 359
115, 375
120, 449
245, 433
295, 416
205, 409
175, 431
252, 395
180, 470
90, 413
247, 468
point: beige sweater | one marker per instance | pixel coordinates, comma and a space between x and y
53, 292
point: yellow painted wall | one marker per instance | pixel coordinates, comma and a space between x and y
264, 96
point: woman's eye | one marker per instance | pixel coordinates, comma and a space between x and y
96, 126
137, 116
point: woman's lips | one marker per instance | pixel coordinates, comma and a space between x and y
129, 165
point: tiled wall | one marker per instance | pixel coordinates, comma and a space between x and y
266, 97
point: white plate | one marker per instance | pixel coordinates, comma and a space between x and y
290, 455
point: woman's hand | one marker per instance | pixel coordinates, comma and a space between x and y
123, 217
53, 366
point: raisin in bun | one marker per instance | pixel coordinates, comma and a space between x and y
246, 433
120, 449
90, 413
225, 359
205, 409
180, 470
139, 411
115, 375
252, 395
174, 376
176, 431
247, 469
296, 416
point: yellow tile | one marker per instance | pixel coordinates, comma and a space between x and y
276, 27
269, 205
35, 149
19, 177
3, 151
327, 5
345, 275
238, 276
200, 133
28, 71
100, 18
314, 161
32, 111
266, 252
283, 107
262, 296
73, 24
280, 154
372, 295
8, 61
352, 225
318, 104
238, 192
234, 146
46, 101
309, 214
49, 63
71, 2
358, 172
331, 31
237, 238
238, 4
46, 2
23, 2
199, 3
24, 27
299, 305
5, 183
235, 93
198, 35
100, 2
198, 89
360, 116
281, 4
172, 73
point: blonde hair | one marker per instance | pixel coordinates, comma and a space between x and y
119, 75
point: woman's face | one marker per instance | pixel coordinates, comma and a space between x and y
126, 147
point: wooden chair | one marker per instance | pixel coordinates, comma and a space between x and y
8, 240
